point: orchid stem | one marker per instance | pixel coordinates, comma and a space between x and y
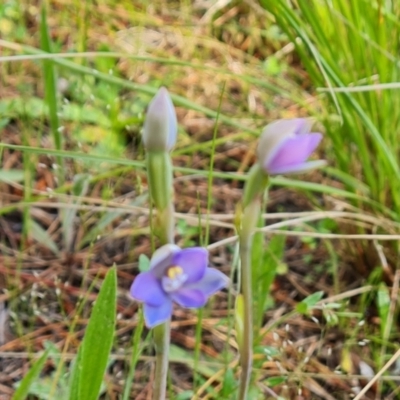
161, 336
250, 216
246, 354
159, 169
162, 333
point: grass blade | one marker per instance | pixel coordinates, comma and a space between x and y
23, 389
50, 86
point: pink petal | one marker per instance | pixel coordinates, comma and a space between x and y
157, 315
147, 289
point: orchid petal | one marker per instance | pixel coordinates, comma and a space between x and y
162, 259
299, 168
189, 298
157, 315
212, 281
147, 289
275, 134
295, 150
193, 261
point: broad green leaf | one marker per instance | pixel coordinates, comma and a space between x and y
302, 308
309, 302
313, 299
229, 383
186, 395
270, 351
98, 340
23, 388
11, 175
144, 263
275, 380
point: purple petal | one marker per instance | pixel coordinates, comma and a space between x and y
295, 150
303, 125
300, 168
276, 133
157, 315
193, 261
189, 298
162, 259
316, 138
172, 121
213, 280
147, 289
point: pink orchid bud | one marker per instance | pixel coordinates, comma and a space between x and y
161, 126
285, 146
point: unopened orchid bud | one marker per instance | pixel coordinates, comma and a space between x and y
285, 146
160, 126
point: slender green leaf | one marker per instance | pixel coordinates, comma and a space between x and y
50, 86
97, 343
76, 372
23, 388
43, 237
50, 80
383, 302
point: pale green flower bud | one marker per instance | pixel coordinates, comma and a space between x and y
161, 126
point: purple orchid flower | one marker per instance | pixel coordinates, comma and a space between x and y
179, 275
161, 126
285, 146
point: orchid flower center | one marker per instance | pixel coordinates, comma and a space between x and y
173, 279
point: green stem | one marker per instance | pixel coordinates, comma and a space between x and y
248, 223
160, 176
246, 353
161, 336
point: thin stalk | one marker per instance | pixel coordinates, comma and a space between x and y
160, 175
248, 224
161, 337
246, 353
